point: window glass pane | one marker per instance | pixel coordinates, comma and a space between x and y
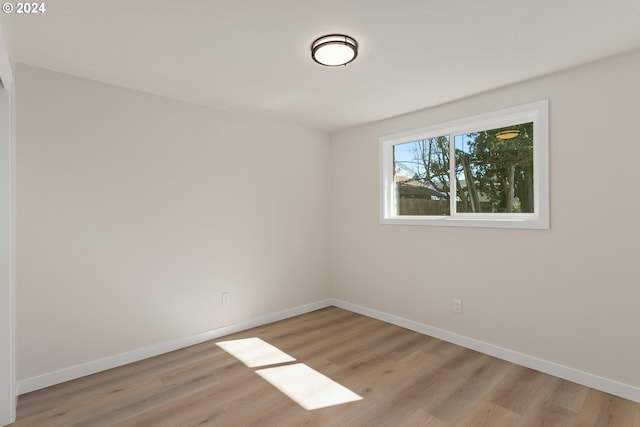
421, 177
494, 170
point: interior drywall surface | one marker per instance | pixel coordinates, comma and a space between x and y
568, 295
136, 212
7, 64
7, 319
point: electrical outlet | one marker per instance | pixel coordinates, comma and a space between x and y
457, 305
226, 299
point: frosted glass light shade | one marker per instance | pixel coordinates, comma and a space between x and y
334, 50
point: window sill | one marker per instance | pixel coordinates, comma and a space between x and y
527, 222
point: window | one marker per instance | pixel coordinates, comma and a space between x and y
483, 171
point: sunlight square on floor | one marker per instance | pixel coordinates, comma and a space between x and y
255, 352
307, 387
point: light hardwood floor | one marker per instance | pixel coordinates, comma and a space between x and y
405, 379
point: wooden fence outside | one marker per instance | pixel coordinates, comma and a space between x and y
410, 206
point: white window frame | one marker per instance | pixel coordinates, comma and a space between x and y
536, 112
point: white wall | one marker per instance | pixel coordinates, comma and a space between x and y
7, 63
7, 351
7, 324
568, 295
135, 212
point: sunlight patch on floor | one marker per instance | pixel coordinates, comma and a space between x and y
307, 387
255, 352
302, 384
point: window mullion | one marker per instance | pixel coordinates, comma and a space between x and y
452, 176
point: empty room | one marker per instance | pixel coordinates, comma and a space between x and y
296, 213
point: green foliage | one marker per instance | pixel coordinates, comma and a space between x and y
501, 169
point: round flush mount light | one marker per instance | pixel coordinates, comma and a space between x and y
507, 133
334, 49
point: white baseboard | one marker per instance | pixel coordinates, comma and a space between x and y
73, 372
590, 380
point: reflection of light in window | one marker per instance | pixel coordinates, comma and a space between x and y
254, 352
307, 387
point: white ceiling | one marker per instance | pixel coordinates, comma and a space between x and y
253, 56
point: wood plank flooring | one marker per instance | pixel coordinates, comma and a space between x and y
405, 379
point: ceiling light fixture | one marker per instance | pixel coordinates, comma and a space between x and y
334, 49
507, 133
